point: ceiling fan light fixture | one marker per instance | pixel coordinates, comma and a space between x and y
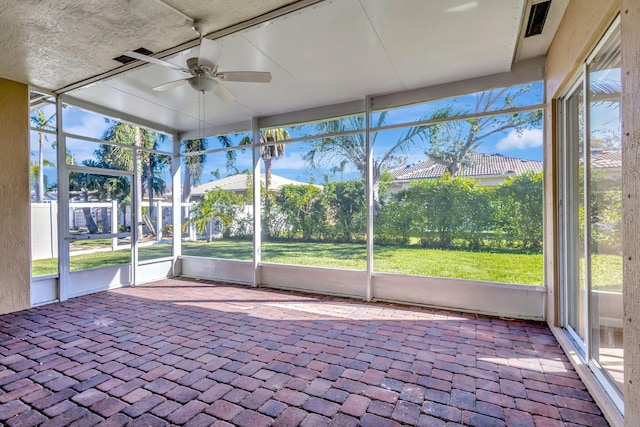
203, 83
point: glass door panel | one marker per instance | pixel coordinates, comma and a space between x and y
605, 209
574, 213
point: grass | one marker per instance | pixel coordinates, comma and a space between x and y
494, 267
606, 272
47, 266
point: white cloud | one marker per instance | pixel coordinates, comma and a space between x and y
529, 138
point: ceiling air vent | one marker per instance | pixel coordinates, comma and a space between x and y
537, 17
124, 59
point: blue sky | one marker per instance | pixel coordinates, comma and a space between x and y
526, 144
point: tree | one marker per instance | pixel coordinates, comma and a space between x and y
194, 164
35, 175
353, 149
521, 206
41, 122
216, 208
451, 142
302, 206
443, 209
87, 185
346, 205
147, 165
270, 152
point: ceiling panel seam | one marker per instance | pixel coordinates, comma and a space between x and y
384, 48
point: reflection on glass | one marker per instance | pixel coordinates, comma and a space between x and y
605, 209
461, 199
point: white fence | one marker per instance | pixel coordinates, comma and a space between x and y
44, 217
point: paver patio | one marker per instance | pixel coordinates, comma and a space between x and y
198, 353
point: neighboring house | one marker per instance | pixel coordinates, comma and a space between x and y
606, 167
489, 169
239, 183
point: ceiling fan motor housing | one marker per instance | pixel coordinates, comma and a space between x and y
203, 83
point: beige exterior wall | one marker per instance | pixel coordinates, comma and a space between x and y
15, 255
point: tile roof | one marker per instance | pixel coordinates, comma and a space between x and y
477, 165
606, 158
238, 183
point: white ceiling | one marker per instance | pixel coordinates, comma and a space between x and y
330, 52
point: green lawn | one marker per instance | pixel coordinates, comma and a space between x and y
99, 259
495, 267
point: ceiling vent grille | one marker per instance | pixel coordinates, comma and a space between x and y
124, 59
537, 17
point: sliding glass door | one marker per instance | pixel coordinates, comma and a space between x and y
591, 213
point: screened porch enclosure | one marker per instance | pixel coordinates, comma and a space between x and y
314, 206
302, 190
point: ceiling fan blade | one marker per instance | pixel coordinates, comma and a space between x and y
245, 76
155, 61
170, 85
223, 93
210, 51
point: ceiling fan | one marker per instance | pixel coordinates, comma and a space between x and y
203, 71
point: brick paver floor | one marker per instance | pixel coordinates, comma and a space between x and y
196, 353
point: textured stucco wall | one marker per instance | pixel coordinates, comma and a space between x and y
15, 264
583, 24
629, 18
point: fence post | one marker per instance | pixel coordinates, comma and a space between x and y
53, 228
114, 224
158, 221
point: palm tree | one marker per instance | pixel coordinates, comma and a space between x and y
122, 158
270, 152
89, 186
334, 170
195, 164
213, 208
40, 121
34, 174
353, 149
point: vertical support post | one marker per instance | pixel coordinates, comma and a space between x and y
257, 202
63, 207
114, 224
135, 199
369, 187
176, 210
